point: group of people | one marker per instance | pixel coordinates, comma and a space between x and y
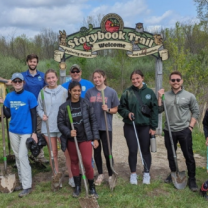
137, 104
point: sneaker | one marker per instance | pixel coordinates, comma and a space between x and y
168, 179
192, 184
99, 180
71, 182
203, 194
25, 192
60, 185
133, 178
146, 178
18, 188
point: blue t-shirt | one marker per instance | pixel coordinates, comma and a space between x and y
35, 83
20, 105
86, 85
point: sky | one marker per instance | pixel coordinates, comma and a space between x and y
30, 17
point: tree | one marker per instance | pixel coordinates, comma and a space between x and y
202, 10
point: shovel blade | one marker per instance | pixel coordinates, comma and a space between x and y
56, 181
88, 202
112, 182
179, 179
7, 183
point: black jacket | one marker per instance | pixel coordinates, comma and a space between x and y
90, 123
205, 124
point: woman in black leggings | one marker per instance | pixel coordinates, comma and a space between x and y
111, 107
130, 105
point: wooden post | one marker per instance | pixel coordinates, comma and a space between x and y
158, 86
62, 70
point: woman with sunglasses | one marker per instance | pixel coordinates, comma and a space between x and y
85, 126
111, 107
20, 105
54, 96
131, 102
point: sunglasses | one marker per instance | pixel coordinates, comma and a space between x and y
77, 71
17, 81
175, 80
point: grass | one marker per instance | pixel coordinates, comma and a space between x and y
155, 195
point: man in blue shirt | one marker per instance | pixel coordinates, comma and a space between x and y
34, 82
76, 73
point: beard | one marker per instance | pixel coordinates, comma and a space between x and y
33, 69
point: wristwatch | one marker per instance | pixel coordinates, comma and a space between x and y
108, 110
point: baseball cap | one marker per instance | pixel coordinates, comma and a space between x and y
75, 66
17, 75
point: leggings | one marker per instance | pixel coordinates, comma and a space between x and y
97, 152
86, 152
144, 140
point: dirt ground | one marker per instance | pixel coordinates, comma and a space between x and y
159, 168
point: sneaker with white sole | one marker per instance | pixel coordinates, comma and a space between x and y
99, 180
133, 178
146, 178
71, 182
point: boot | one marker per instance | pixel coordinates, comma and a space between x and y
92, 190
168, 179
192, 184
77, 189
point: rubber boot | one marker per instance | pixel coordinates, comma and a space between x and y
192, 184
77, 189
92, 190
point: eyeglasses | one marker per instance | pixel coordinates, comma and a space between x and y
17, 81
77, 71
175, 80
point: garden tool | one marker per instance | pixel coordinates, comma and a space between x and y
142, 159
179, 178
87, 202
112, 182
7, 181
10, 157
57, 177
3, 89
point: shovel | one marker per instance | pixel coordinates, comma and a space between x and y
112, 182
179, 178
140, 152
7, 181
87, 202
57, 177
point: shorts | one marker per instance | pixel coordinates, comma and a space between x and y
54, 134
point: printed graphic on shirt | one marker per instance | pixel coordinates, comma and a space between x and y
83, 88
98, 98
77, 116
39, 78
16, 104
148, 96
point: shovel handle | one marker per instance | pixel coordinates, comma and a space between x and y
170, 134
78, 152
48, 132
3, 139
107, 134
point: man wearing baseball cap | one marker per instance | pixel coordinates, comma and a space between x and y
76, 73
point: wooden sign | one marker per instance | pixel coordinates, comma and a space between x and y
110, 35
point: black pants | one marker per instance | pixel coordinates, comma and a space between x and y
144, 140
184, 138
97, 152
